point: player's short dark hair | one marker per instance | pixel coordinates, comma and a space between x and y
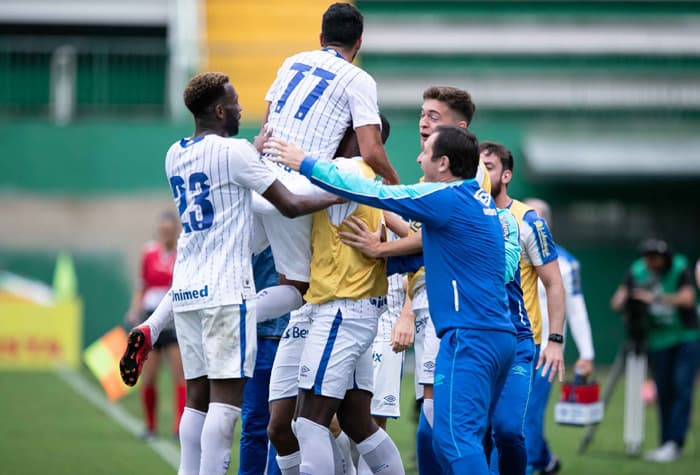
203, 90
460, 146
458, 100
386, 128
493, 148
341, 25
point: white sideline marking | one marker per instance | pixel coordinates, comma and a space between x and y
166, 450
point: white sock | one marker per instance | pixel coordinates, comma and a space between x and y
429, 411
191, 424
316, 447
274, 302
381, 454
217, 437
343, 442
161, 317
363, 468
289, 464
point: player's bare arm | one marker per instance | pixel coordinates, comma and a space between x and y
372, 150
396, 224
291, 205
404, 331
552, 357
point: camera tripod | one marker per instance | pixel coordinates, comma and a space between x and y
632, 360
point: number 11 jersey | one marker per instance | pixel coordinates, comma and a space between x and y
316, 96
211, 178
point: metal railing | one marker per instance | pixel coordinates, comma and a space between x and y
67, 77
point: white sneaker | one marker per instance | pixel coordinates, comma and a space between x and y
668, 452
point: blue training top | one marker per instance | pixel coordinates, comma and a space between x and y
462, 242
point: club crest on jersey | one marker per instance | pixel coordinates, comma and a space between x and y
483, 196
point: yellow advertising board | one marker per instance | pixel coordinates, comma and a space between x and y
40, 337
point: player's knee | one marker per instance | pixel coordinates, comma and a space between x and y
509, 435
280, 431
198, 394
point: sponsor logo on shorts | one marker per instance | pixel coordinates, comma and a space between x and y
303, 371
295, 332
439, 379
376, 357
379, 302
429, 365
519, 371
180, 295
390, 400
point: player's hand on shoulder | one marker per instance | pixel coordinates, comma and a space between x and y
360, 237
286, 153
261, 138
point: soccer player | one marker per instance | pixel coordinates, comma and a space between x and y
155, 277
541, 457
343, 282
212, 295
538, 259
315, 97
509, 413
464, 256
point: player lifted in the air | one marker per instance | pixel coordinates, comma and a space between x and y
316, 96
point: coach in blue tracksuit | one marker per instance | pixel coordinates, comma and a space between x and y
255, 413
464, 266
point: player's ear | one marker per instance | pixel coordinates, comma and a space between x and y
444, 164
506, 176
320, 39
219, 110
463, 124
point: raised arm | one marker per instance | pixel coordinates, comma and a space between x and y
422, 202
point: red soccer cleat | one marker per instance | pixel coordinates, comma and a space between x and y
137, 348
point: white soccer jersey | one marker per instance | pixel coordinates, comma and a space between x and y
211, 178
314, 99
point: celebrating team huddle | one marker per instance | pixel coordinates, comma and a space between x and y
341, 240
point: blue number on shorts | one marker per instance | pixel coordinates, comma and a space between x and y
198, 184
314, 95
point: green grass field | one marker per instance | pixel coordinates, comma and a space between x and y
46, 427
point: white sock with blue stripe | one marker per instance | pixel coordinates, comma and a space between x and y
381, 454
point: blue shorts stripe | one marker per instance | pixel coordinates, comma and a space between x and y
243, 312
318, 382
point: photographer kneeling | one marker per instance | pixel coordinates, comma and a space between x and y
659, 290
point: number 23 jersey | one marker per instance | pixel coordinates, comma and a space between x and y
316, 96
210, 178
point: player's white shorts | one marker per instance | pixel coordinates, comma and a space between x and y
337, 353
218, 342
388, 369
284, 380
290, 239
426, 345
